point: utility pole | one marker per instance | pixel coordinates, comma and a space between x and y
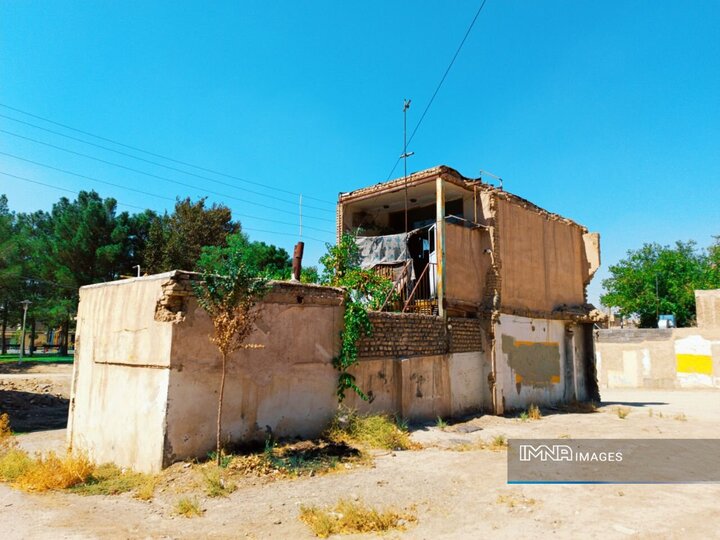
657, 301
405, 155
25, 304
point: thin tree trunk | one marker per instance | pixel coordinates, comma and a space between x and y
220, 408
65, 338
32, 337
4, 328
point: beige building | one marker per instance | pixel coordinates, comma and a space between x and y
492, 316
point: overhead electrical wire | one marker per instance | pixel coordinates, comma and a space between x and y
65, 171
156, 163
173, 160
442, 80
246, 216
163, 178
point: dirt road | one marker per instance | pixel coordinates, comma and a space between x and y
455, 494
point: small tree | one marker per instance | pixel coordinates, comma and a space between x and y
228, 293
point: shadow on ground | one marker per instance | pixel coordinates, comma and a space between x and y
29, 411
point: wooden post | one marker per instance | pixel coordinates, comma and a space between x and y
440, 244
297, 261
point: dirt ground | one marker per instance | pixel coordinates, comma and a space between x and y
455, 494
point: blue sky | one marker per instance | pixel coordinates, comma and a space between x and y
605, 112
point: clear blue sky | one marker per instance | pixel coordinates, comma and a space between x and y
606, 112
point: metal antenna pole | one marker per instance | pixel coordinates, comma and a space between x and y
405, 155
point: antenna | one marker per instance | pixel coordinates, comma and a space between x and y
491, 175
405, 155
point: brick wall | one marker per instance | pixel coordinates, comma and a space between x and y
411, 334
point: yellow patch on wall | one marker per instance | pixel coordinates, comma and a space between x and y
555, 379
694, 363
519, 343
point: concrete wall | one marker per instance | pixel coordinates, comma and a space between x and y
286, 387
656, 358
543, 259
539, 361
707, 305
121, 374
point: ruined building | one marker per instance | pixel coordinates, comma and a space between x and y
492, 295
490, 315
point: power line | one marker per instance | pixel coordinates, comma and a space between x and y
151, 194
156, 163
163, 178
60, 188
457, 52
137, 149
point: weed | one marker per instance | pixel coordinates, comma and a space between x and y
224, 460
524, 416
348, 517
622, 412
581, 407
512, 501
109, 479
660, 414
215, 484
441, 424
188, 507
51, 471
681, 416
372, 430
534, 412
13, 464
650, 413
7, 441
498, 442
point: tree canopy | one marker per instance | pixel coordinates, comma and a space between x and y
46, 256
659, 279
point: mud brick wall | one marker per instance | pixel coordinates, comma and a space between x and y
410, 334
465, 335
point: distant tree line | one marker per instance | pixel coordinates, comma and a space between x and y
46, 256
659, 279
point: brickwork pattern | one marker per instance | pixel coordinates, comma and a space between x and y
410, 334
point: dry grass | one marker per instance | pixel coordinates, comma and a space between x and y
497, 443
109, 479
7, 441
513, 501
49, 472
681, 417
188, 507
304, 458
622, 412
580, 407
13, 464
348, 517
371, 430
216, 483
534, 412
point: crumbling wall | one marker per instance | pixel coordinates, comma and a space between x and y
707, 305
540, 361
544, 262
286, 387
658, 358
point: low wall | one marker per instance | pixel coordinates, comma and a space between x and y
658, 358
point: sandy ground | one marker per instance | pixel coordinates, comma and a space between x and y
455, 494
